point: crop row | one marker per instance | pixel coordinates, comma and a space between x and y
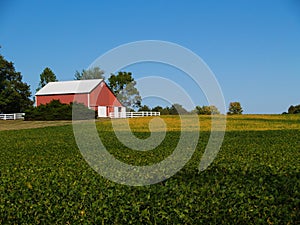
255, 179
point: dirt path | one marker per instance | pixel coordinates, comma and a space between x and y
20, 124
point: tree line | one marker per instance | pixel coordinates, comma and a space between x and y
15, 95
175, 109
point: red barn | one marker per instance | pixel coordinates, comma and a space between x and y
94, 93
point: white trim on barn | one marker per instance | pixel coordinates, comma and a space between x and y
67, 87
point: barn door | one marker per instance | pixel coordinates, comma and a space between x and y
102, 111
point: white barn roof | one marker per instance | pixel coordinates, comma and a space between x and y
69, 87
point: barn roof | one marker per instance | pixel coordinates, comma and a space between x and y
69, 87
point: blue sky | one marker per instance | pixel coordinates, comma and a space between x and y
252, 47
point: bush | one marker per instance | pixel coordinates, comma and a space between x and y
55, 110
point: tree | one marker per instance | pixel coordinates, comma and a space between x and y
93, 73
207, 110
144, 108
14, 94
157, 109
177, 109
123, 86
45, 77
118, 82
235, 108
163, 111
294, 109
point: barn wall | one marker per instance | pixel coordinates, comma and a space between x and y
67, 99
102, 96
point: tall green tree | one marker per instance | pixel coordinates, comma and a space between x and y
235, 108
14, 93
93, 73
45, 77
118, 82
123, 86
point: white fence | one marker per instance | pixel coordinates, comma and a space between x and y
133, 114
12, 116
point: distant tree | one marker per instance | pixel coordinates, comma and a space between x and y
294, 109
207, 110
177, 109
144, 108
45, 77
291, 109
235, 108
163, 111
157, 109
123, 85
14, 93
214, 110
93, 73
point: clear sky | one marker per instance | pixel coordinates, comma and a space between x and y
253, 47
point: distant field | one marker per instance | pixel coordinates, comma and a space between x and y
233, 123
241, 122
255, 178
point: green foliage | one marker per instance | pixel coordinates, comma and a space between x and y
235, 108
93, 73
118, 82
207, 110
144, 108
177, 109
294, 109
55, 110
14, 94
45, 180
45, 77
123, 86
163, 111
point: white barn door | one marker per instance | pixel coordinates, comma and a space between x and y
102, 111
